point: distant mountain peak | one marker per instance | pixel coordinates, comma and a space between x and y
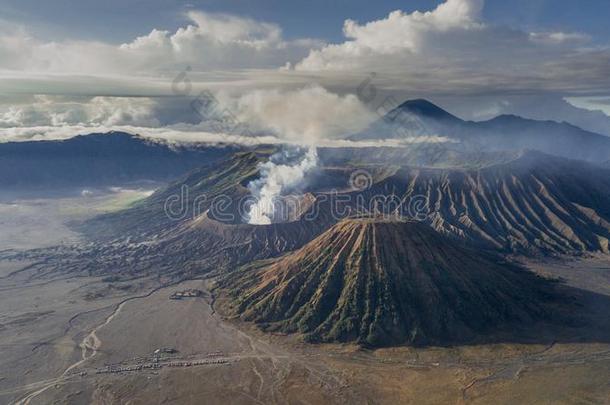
107, 136
426, 109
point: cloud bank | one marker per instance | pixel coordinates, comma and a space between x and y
298, 90
57, 111
452, 47
208, 41
308, 114
400, 34
449, 48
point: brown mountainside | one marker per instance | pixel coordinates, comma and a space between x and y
379, 283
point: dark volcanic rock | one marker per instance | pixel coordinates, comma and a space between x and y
112, 158
383, 283
533, 204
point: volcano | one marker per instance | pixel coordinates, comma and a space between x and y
502, 133
379, 282
530, 204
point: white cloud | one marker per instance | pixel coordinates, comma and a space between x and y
594, 104
303, 115
266, 79
559, 38
227, 29
306, 114
215, 41
209, 41
309, 114
190, 134
451, 49
61, 111
399, 34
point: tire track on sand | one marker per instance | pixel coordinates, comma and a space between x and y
89, 347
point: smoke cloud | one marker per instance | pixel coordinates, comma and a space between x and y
282, 173
308, 114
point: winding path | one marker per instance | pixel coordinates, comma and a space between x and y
89, 348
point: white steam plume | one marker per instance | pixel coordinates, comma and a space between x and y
308, 115
278, 175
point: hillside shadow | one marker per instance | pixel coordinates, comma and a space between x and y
583, 316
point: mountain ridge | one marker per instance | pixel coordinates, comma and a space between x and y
112, 158
534, 204
380, 282
505, 132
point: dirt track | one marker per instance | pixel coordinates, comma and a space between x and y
256, 368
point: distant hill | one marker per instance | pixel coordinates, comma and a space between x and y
533, 204
503, 133
378, 283
99, 159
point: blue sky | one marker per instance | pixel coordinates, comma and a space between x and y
119, 21
289, 67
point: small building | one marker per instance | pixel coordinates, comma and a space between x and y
190, 293
164, 350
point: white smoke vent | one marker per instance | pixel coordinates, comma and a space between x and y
283, 172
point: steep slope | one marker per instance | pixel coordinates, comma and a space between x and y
211, 245
99, 159
439, 155
424, 108
182, 200
534, 204
556, 138
198, 220
382, 283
